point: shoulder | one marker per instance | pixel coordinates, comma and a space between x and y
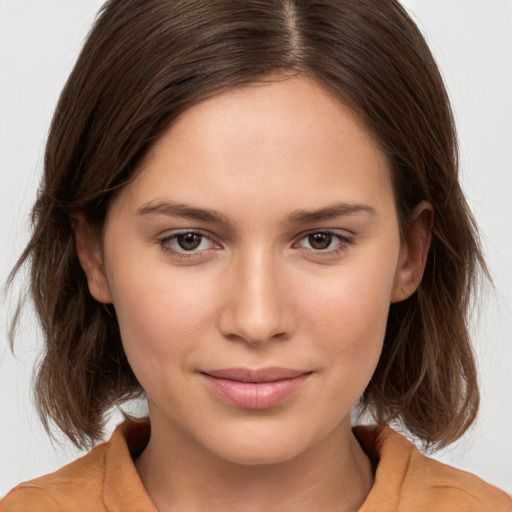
104, 479
407, 480
80, 481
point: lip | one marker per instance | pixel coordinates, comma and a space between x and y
255, 389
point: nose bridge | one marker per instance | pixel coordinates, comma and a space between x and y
256, 307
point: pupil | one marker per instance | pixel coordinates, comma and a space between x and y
320, 240
189, 241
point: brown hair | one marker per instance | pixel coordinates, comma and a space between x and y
145, 62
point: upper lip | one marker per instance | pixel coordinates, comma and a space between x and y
261, 375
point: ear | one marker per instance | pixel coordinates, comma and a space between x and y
90, 254
414, 252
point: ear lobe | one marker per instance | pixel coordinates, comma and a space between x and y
414, 253
90, 255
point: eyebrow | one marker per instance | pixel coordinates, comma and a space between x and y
330, 212
185, 211
175, 209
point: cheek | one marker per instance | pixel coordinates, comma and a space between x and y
348, 315
163, 315
354, 300
351, 328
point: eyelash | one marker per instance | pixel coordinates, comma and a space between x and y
341, 247
166, 248
343, 242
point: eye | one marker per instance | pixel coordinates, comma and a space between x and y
189, 241
186, 244
324, 241
320, 240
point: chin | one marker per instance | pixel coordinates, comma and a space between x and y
263, 446
263, 454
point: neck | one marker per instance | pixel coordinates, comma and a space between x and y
179, 474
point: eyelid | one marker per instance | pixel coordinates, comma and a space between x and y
344, 238
164, 243
340, 233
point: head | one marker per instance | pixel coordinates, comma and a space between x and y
150, 67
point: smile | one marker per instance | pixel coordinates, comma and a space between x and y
255, 389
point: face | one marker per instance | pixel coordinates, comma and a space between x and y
251, 264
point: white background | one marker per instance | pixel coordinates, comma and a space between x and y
472, 39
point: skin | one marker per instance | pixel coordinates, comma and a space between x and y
256, 293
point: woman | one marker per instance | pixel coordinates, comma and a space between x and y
251, 213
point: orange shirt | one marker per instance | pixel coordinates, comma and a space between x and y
106, 480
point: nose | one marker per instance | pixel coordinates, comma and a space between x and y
257, 306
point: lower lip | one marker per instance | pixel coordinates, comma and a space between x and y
255, 395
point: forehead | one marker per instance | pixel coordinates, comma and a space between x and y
267, 143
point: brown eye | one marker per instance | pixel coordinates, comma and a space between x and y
320, 241
324, 243
189, 241
188, 244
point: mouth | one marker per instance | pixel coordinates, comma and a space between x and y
255, 389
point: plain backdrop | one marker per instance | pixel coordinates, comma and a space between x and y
472, 40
